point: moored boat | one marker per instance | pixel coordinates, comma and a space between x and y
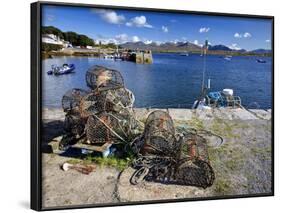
64, 69
261, 60
215, 99
228, 58
184, 54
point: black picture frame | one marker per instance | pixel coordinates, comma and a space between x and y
36, 104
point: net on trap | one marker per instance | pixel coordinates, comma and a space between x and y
117, 101
194, 167
159, 135
72, 99
102, 78
165, 157
107, 128
74, 124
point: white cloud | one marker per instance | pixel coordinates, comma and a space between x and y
122, 38
204, 29
196, 42
234, 47
107, 40
135, 39
158, 43
148, 41
165, 29
110, 16
119, 39
138, 21
237, 35
247, 35
174, 41
267, 40
50, 17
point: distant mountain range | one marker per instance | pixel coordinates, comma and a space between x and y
261, 51
186, 47
162, 47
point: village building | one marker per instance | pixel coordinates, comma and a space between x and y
54, 39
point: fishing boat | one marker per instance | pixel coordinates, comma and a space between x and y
184, 54
218, 99
261, 60
108, 57
228, 58
61, 70
214, 99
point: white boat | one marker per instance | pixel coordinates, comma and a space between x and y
228, 58
184, 54
108, 57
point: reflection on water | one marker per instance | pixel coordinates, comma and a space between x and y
171, 81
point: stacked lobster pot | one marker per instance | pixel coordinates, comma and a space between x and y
170, 157
102, 116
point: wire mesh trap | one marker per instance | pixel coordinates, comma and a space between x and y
115, 100
72, 99
106, 128
165, 158
159, 135
102, 78
104, 114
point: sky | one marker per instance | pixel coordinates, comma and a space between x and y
120, 26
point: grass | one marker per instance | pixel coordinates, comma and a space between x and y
118, 163
222, 186
224, 128
196, 123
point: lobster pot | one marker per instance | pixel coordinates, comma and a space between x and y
74, 124
194, 168
120, 98
106, 128
116, 101
159, 135
93, 103
102, 78
72, 98
199, 173
195, 147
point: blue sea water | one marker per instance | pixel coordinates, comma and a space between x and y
171, 81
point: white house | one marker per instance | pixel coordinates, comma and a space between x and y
53, 39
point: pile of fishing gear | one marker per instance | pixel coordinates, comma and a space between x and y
104, 115
169, 157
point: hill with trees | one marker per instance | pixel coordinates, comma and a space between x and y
74, 38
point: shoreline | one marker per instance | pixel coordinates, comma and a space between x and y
50, 113
91, 53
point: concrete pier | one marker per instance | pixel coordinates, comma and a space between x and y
242, 164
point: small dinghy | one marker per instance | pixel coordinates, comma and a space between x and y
228, 58
261, 61
64, 69
184, 54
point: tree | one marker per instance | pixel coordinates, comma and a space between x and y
84, 41
74, 38
52, 30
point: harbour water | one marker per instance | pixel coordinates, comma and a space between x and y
172, 81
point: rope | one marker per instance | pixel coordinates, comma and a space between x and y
253, 113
